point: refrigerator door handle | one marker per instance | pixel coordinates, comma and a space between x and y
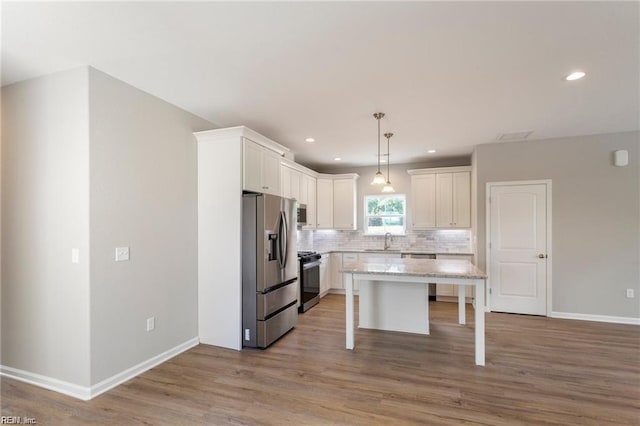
282, 246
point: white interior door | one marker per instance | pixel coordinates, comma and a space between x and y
518, 248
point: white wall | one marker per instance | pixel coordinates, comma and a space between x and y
596, 215
45, 213
144, 196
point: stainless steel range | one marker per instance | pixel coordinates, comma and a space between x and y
309, 279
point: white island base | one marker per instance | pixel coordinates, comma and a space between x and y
394, 295
392, 306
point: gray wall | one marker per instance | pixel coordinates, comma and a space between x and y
45, 202
596, 215
90, 162
143, 195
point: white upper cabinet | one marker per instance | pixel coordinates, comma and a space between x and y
252, 177
291, 182
423, 201
324, 206
461, 199
444, 200
299, 183
441, 198
261, 168
336, 201
344, 204
453, 200
308, 197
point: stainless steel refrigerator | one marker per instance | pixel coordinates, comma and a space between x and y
269, 269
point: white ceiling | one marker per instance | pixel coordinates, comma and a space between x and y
448, 75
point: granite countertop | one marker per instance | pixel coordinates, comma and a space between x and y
444, 268
395, 251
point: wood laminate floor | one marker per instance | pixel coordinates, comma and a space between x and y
539, 371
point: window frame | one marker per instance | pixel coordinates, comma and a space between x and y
365, 223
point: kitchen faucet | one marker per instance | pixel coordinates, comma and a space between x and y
388, 239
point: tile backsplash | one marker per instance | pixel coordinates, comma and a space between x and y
437, 240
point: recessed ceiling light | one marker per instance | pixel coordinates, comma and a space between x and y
309, 140
575, 76
431, 151
337, 158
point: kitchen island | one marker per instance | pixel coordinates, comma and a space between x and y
394, 294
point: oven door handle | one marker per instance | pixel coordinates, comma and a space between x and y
311, 264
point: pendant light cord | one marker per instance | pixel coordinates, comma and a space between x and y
379, 144
388, 159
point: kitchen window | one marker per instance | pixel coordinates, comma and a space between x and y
385, 213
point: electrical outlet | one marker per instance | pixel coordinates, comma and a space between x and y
75, 255
630, 293
247, 334
122, 254
151, 323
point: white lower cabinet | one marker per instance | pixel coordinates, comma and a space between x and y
451, 290
348, 258
325, 274
336, 275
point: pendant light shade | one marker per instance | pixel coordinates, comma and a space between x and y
378, 179
388, 188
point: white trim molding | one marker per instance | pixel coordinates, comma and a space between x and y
85, 392
76, 391
136, 370
597, 318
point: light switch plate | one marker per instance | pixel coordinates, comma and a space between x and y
151, 323
122, 254
75, 255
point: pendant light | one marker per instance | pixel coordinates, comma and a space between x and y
387, 186
378, 179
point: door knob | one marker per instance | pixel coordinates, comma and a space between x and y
542, 256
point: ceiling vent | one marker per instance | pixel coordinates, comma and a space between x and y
515, 136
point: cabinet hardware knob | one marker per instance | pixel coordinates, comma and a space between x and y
541, 256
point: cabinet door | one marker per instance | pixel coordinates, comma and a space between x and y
336, 275
310, 184
452, 289
304, 190
348, 258
252, 166
285, 181
295, 178
270, 172
446, 290
444, 200
344, 204
462, 200
423, 201
324, 274
324, 207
